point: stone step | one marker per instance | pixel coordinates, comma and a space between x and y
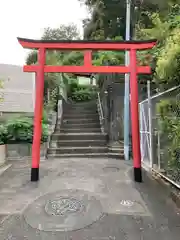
68, 150
79, 136
81, 104
80, 116
78, 143
86, 155
119, 155
79, 112
79, 155
93, 101
77, 125
84, 106
79, 130
116, 150
92, 106
83, 119
80, 121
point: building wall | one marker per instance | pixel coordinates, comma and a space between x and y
18, 90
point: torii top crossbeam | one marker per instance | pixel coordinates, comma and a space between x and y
87, 47
84, 45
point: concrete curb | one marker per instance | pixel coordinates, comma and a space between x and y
4, 167
174, 193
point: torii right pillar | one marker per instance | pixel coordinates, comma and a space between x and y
134, 103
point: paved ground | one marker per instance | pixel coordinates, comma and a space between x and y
84, 200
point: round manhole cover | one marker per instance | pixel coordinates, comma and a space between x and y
127, 203
111, 169
63, 206
66, 210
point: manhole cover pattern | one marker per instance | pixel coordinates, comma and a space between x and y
63, 206
111, 169
65, 210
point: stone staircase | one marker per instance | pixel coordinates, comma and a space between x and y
79, 134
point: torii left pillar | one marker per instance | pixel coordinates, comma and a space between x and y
38, 116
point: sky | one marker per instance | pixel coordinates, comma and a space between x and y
28, 18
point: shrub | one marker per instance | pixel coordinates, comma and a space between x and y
4, 136
45, 133
169, 129
21, 130
45, 117
48, 107
83, 95
72, 88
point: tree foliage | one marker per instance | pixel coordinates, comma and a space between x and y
166, 55
165, 27
31, 58
63, 32
54, 80
107, 17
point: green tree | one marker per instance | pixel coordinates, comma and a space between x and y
166, 55
108, 16
54, 80
63, 32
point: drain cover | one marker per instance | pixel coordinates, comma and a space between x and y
63, 206
127, 203
65, 210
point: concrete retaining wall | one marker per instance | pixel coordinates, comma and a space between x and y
23, 151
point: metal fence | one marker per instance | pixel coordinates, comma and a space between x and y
160, 133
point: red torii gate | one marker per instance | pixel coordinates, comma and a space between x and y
87, 47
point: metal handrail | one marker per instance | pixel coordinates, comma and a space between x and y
100, 106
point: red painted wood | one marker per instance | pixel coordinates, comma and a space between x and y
135, 111
89, 69
133, 69
38, 110
28, 43
88, 58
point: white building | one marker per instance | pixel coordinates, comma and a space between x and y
18, 91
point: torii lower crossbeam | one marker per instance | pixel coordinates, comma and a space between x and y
86, 69
87, 47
